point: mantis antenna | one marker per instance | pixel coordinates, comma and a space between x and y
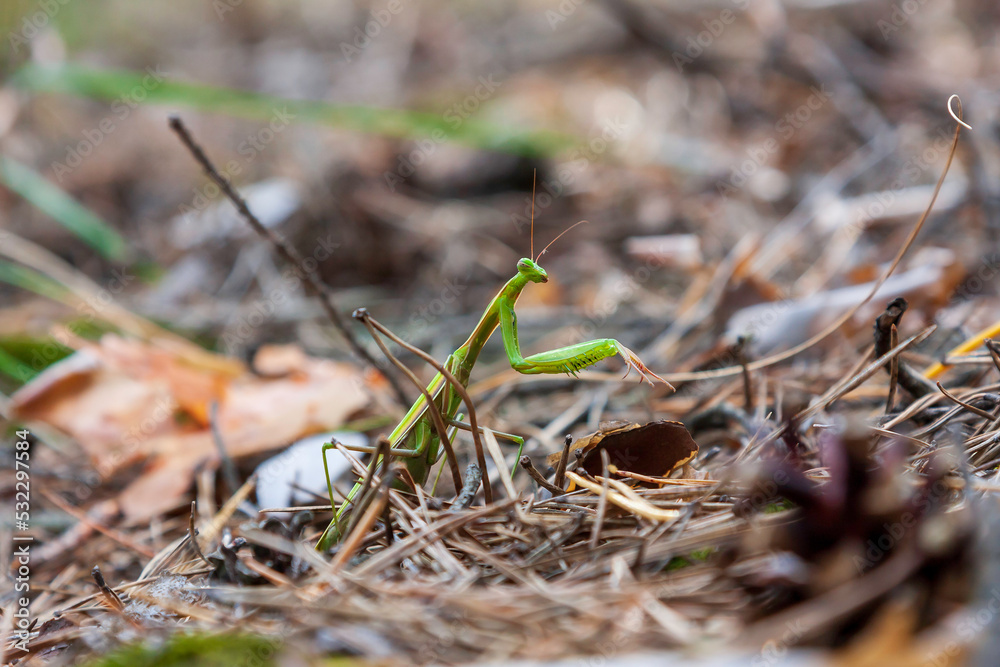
559, 237
534, 177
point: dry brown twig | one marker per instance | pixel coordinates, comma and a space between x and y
289, 253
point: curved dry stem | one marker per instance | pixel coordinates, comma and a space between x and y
839, 322
958, 116
435, 412
366, 317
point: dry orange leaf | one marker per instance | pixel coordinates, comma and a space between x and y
126, 401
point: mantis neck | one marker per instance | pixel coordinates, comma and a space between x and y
468, 353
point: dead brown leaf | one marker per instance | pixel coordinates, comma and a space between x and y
126, 401
656, 449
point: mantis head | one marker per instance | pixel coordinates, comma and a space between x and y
530, 270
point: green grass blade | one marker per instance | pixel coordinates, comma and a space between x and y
150, 87
54, 202
14, 368
26, 356
33, 281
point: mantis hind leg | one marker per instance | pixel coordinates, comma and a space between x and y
401, 452
500, 434
421, 439
510, 437
332, 533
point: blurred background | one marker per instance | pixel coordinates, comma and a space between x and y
747, 171
790, 143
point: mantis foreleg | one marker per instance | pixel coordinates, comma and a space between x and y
570, 359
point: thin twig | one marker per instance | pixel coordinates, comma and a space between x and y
639, 507
559, 480
387, 523
909, 379
943, 419
890, 398
229, 472
109, 595
533, 473
288, 252
842, 388
994, 350
118, 536
432, 407
193, 537
359, 532
367, 490
497, 455
473, 477
968, 406
602, 504
741, 354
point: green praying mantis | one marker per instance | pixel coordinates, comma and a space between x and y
416, 439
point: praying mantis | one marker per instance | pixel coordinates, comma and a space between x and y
415, 438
